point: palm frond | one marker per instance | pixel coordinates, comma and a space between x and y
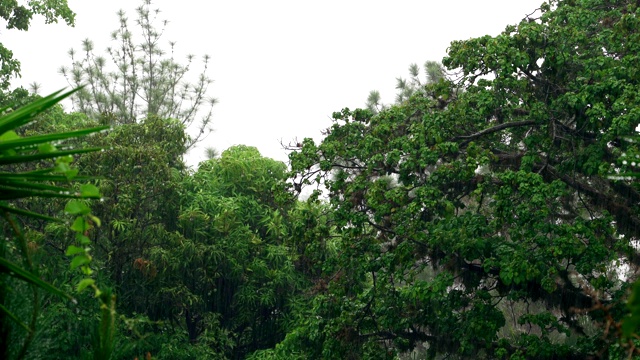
43, 183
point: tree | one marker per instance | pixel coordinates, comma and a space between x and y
227, 269
138, 174
144, 80
484, 195
19, 17
407, 87
140, 195
211, 153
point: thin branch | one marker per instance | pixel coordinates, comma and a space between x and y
468, 138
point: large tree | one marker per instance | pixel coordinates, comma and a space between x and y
227, 269
478, 218
140, 78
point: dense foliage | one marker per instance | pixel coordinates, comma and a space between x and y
29, 172
477, 216
491, 212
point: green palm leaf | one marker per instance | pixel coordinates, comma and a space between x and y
13, 210
27, 114
16, 271
16, 150
20, 159
33, 141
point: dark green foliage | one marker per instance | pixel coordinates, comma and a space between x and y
19, 180
139, 189
228, 265
479, 217
471, 198
203, 256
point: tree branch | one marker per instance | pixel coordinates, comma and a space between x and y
468, 138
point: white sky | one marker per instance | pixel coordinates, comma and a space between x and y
280, 68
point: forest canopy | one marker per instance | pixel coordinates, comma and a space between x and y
491, 212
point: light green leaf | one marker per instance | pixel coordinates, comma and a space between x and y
27, 113
79, 261
75, 207
79, 225
95, 219
9, 135
83, 239
46, 148
84, 283
46, 139
19, 159
89, 191
73, 250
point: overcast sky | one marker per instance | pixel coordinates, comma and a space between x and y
280, 67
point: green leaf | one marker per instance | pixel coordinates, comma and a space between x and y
63, 167
46, 139
20, 159
95, 219
79, 225
12, 193
89, 191
14, 318
38, 176
73, 250
27, 213
84, 283
45, 148
16, 271
27, 113
83, 239
9, 135
79, 261
21, 185
76, 207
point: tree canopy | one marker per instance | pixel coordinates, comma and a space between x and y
491, 212
477, 217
